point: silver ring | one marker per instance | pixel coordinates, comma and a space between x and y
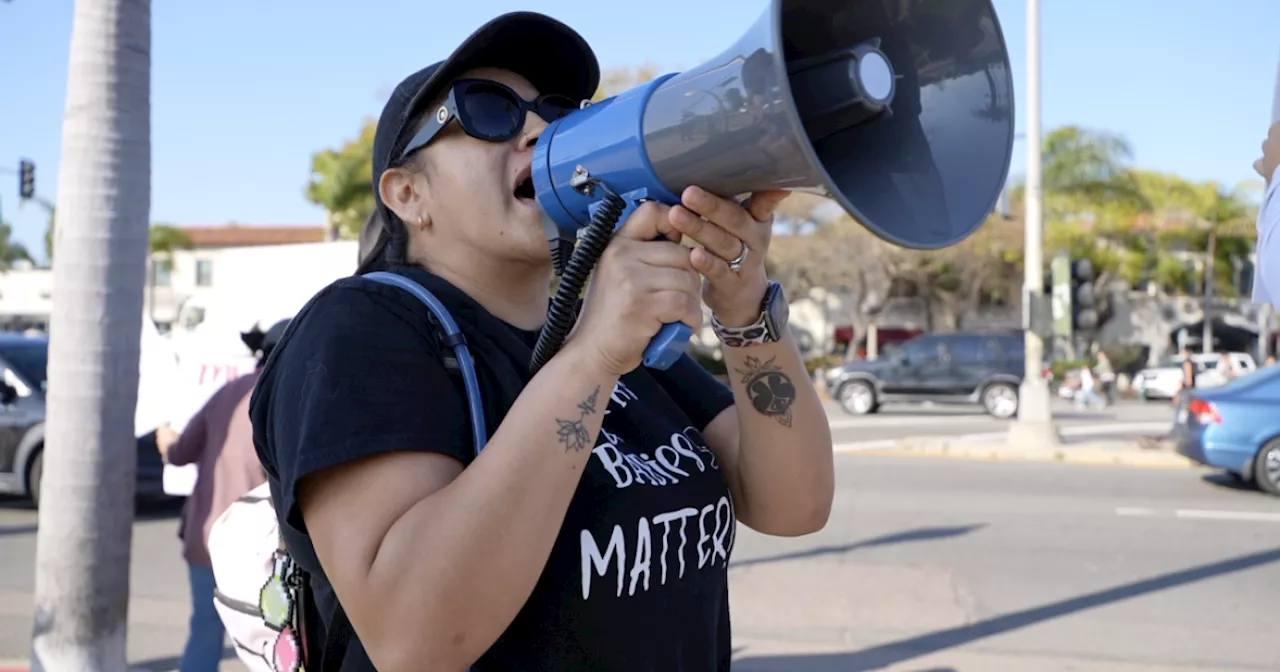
735, 265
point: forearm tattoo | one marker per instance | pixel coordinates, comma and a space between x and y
770, 390
573, 433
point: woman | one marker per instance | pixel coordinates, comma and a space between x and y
218, 439
593, 532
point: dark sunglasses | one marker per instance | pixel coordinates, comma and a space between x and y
490, 111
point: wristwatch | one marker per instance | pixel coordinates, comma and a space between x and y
768, 328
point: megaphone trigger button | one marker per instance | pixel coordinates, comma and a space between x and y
582, 182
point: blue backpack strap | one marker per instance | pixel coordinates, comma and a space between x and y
335, 646
453, 338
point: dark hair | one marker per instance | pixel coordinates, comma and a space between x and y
395, 250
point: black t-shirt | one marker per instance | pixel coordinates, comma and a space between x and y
637, 578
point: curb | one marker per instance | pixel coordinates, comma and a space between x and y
22, 666
1121, 453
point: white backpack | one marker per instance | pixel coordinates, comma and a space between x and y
257, 581
242, 546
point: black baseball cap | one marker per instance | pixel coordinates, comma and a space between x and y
552, 56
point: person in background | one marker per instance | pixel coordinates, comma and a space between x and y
1106, 376
1188, 375
1227, 367
219, 441
1266, 268
1088, 397
1271, 359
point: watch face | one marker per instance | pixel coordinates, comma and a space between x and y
776, 312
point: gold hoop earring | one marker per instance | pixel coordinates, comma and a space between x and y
422, 222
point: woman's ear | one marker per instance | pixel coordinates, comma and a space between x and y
407, 194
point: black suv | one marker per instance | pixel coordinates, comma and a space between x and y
984, 368
24, 366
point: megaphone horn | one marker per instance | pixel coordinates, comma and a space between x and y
904, 119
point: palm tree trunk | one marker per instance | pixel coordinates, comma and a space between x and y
104, 196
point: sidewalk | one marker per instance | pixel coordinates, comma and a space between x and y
159, 605
1133, 452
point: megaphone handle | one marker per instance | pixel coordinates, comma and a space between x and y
672, 339
667, 346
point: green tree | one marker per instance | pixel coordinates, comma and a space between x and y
1225, 232
163, 241
342, 183
87, 470
617, 80
11, 251
1092, 197
48, 235
1087, 172
50, 209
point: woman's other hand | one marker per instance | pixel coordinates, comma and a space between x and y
735, 239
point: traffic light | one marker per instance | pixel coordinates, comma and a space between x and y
26, 179
1244, 277
1084, 314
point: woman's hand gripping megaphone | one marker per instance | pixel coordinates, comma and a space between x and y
641, 282
735, 239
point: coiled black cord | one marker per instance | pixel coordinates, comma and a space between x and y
586, 255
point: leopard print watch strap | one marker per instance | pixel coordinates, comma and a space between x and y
756, 333
768, 327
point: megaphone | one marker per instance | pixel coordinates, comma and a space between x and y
901, 112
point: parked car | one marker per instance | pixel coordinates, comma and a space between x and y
980, 368
1162, 382
1235, 427
23, 366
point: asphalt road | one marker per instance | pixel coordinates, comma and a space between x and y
934, 565
928, 565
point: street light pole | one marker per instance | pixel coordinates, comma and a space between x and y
1034, 427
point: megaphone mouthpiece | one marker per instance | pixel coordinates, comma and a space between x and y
841, 89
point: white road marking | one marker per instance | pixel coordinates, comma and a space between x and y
1117, 428
1252, 516
1199, 514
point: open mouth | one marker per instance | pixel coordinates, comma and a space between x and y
524, 186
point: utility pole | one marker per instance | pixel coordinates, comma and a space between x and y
1206, 334
1034, 428
1264, 332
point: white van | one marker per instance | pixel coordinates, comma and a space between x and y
1162, 382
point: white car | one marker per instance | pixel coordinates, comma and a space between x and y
1162, 382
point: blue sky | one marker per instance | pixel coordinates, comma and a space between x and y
244, 92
